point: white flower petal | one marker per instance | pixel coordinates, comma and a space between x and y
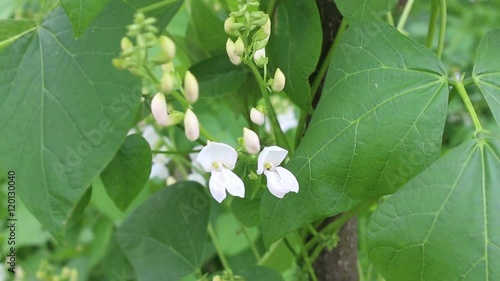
197, 178
234, 185
158, 170
159, 109
216, 186
274, 184
288, 179
272, 154
217, 152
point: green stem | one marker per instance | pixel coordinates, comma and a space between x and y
305, 256
199, 275
278, 133
442, 28
312, 230
432, 24
390, 19
404, 15
271, 7
326, 62
250, 242
155, 6
468, 104
301, 127
206, 134
217, 247
179, 97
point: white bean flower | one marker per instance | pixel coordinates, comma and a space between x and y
280, 181
219, 159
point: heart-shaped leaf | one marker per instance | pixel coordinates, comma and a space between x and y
81, 13
364, 139
65, 108
295, 46
164, 238
364, 9
486, 71
444, 223
128, 172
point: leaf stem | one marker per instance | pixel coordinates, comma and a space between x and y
404, 15
459, 85
305, 256
155, 6
301, 127
217, 247
278, 133
442, 28
271, 7
432, 24
390, 19
250, 242
324, 66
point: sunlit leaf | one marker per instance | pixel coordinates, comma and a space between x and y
444, 223
378, 124
486, 71
81, 13
65, 108
364, 9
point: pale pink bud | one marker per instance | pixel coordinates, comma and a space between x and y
231, 53
167, 83
279, 81
239, 47
257, 116
159, 109
167, 47
251, 140
191, 87
191, 125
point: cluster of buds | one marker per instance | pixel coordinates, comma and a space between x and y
141, 36
46, 273
247, 23
228, 275
169, 86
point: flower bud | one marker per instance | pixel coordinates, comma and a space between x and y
191, 87
126, 44
167, 83
118, 63
191, 125
251, 140
239, 47
170, 180
232, 27
257, 116
261, 21
159, 109
167, 47
167, 67
279, 81
260, 57
216, 278
258, 45
230, 49
266, 28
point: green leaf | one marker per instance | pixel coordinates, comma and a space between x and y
295, 47
364, 9
81, 13
207, 26
443, 224
231, 232
66, 108
486, 71
217, 76
164, 10
164, 238
246, 210
13, 29
128, 172
379, 123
